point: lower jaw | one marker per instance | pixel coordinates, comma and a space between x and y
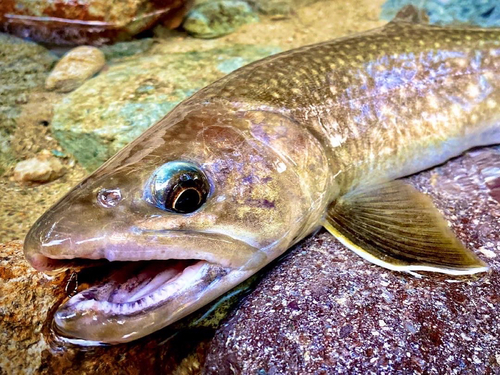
120, 299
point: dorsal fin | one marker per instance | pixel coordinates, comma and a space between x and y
412, 14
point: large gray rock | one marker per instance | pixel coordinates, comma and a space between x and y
107, 112
324, 310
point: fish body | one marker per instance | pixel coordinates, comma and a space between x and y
250, 165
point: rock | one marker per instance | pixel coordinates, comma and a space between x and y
43, 168
212, 19
481, 13
26, 297
94, 22
326, 310
105, 113
74, 68
278, 7
125, 49
23, 69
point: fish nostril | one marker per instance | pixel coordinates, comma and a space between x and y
108, 198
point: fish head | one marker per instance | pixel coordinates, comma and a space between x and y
194, 206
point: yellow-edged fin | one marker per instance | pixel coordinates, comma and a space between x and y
397, 227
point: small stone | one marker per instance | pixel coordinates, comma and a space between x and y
213, 19
42, 168
74, 68
487, 253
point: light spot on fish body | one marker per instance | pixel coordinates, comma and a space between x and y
337, 140
433, 101
281, 167
473, 90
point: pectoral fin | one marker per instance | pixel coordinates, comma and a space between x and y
395, 226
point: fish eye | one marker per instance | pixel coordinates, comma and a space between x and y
177, 186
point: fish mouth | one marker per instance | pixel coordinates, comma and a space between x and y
128, 299
141, 286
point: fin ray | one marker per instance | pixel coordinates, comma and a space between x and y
397, 227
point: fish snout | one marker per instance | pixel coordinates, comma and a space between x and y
36, 238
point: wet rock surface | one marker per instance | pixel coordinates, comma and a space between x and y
94, 22
74, 68
326, 310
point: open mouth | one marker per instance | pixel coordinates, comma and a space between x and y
133, 287
151, 279
111, 294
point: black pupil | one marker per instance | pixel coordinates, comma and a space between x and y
188, 201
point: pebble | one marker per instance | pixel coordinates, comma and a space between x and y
74, 68
42, 168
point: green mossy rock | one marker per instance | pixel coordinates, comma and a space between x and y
104, 114
212, 19
126, 49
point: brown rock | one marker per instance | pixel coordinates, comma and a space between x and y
325, 310
94, 22
74, 68
42, 168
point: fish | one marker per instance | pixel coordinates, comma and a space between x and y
250, 165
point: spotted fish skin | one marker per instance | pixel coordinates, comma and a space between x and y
307, 138
384, 104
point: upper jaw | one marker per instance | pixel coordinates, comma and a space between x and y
47, 252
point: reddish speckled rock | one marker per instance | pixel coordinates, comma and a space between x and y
95, 22
325, 310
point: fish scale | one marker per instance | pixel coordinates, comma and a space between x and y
312, 137
444, 81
